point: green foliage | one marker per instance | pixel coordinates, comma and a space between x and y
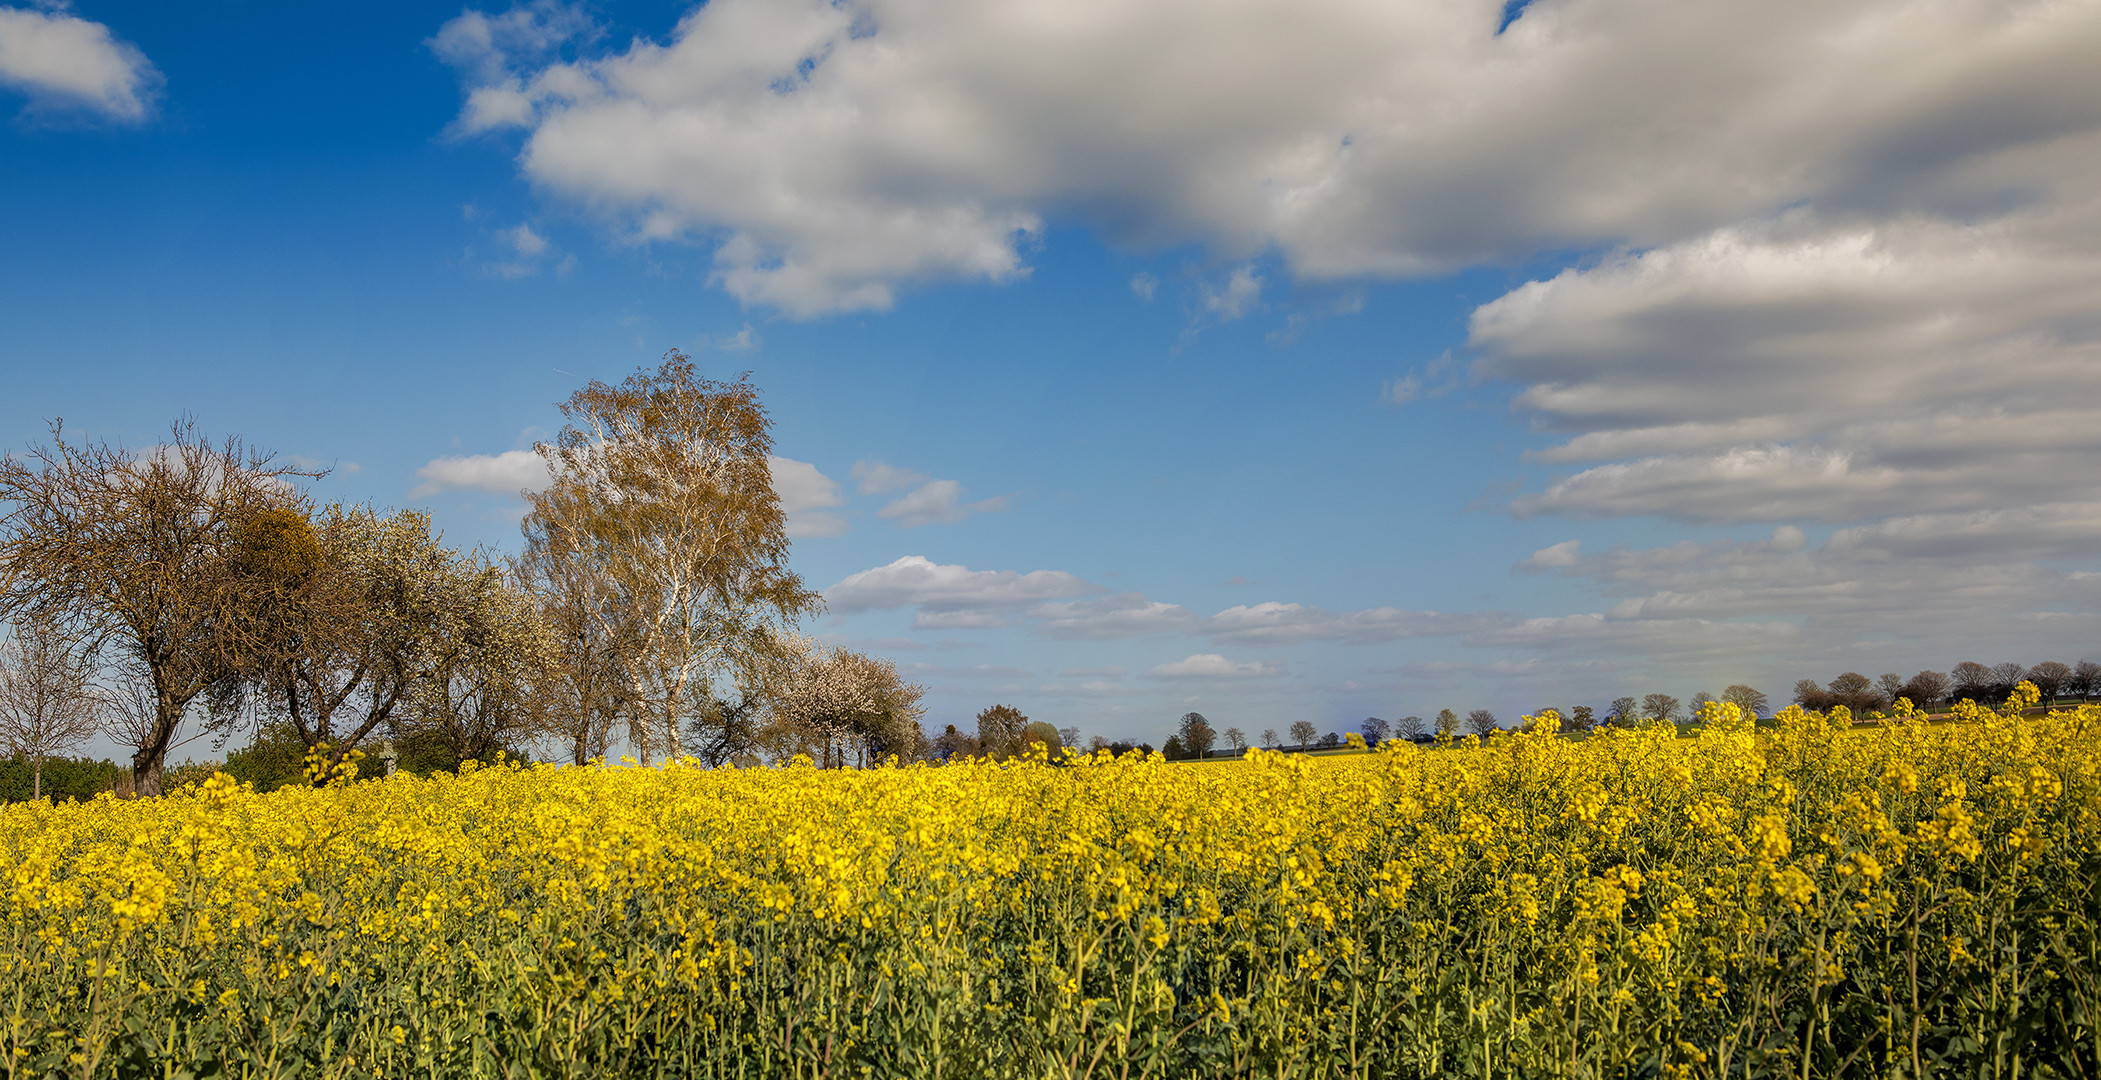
177, 777
65, 779
275, 759
1039, 732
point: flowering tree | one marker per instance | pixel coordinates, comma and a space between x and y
842, 701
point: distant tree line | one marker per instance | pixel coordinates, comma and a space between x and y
1860, 695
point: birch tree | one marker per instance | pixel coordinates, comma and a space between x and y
48, 706
662, 493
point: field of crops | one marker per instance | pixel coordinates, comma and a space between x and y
1803, 901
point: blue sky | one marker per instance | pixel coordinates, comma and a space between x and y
1279, 361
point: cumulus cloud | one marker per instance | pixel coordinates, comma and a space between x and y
62, 61
1123, 615
807, 497
832, 152
1552, 557
507, 473
916, 581
1212, 666
1274, 623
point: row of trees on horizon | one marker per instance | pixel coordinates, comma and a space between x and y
1194, 736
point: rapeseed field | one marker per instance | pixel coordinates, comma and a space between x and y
1808, 899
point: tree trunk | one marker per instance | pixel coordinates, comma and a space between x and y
36, 780
146, 765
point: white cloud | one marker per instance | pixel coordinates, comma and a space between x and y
1401, 391
1092, 673
974, 671
806, 496
744, 340
1923, 589
1144, 285
2046, 531
524, 240
960, 620
507, 473
1648, 638
873, 477
1123, 615
1274, 623
916, 581
63, 61
841, 150
1818, 368
1205, 666
1555, 556
937, 502
1237, 297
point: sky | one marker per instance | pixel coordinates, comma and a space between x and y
1274, 359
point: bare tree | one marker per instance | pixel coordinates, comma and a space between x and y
2005, 677
1303, 732
1854, 691
1660, 707
1623, 712
1269, 737
1891, 686
1236, 740
1409, 727
1482, 722
2086, 679
1927, 688
585, 688
48, 706
133, 553
952, 744
2050, 677
662, 490
1972, 681
1376, 730
1746, 698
